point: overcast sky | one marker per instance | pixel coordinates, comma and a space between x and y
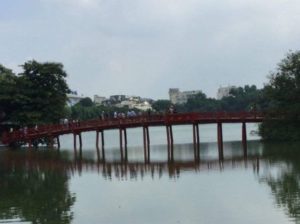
144, 47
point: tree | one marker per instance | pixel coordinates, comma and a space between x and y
8, 82
245, 98
161, 105
46, 89
283, 94
86, 102
37, 95
199, 103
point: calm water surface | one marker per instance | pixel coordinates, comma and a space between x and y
51, 186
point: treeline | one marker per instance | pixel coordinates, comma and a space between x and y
86, 109
279, 100
247, 98
283, 96
38, 95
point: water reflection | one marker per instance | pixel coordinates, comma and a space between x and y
113, 164
34, 185
282, 175
30, 191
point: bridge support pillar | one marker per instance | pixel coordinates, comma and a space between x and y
146, 143
125, 142
196, 141
58, 142
244, 138
75, 141
122, 132
80, 141
97, 139
220, 141
102, 138
102, 145
170, 143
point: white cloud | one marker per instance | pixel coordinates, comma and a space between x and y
145, 47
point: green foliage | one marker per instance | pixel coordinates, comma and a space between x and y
79, 112
37, 95
161, 105
241, 99
8, 90
283, 93
280, 130
86, 102
199, 103
47, 89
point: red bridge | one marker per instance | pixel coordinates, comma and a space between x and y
51, 132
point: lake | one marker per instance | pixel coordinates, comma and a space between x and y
67, 186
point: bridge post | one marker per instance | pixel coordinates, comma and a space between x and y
244, 138
97, 139
125, 142
98, 153
97, 145
102, 138
102, 142
75, 140
125, 136
146, 143
121, 142
168, 139
80, 141
80, 152
194, 138
220, 141
58, 142
196, 141
171, 143
75, 144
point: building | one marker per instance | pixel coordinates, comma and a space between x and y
144, 106
99, 99
132, 103
178, 97
73, 99
224, 92
117, 99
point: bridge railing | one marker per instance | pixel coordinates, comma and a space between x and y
73, 126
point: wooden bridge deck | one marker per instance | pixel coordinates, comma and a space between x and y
54, 131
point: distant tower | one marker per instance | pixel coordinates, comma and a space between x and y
224, 91
173, 94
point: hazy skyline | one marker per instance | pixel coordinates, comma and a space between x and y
137, 47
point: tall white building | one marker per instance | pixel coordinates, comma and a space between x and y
73, 99
178, 97
99, 99
224, 91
